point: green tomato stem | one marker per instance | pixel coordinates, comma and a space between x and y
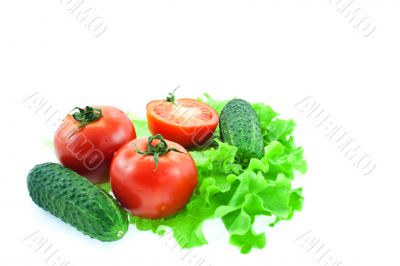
87, 115
158, 150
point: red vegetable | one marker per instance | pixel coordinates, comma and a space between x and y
186, 121
152, 177
87, 140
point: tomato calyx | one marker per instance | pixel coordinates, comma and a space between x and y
87, 115
171, 96
157, 150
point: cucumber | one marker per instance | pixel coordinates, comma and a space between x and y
239, 126
77, 201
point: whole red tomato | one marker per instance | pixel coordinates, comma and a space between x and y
87, 140
152, 177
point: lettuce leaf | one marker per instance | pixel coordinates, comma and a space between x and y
237, 195
140, 126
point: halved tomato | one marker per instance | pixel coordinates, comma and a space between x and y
185, 121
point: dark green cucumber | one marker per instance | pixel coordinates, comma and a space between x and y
239, 126
77, 201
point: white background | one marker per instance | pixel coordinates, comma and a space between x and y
278, 52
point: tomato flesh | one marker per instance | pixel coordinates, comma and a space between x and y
188, 122
146, 190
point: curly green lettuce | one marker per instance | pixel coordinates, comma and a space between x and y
236, 194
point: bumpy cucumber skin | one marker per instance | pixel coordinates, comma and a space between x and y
239, 126
77, 201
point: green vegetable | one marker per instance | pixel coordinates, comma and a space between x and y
140, 126
238, 194
77, 201
239, 127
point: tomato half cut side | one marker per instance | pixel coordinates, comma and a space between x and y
186, 121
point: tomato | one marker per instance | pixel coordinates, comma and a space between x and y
186, 121
87, 140
152, 177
